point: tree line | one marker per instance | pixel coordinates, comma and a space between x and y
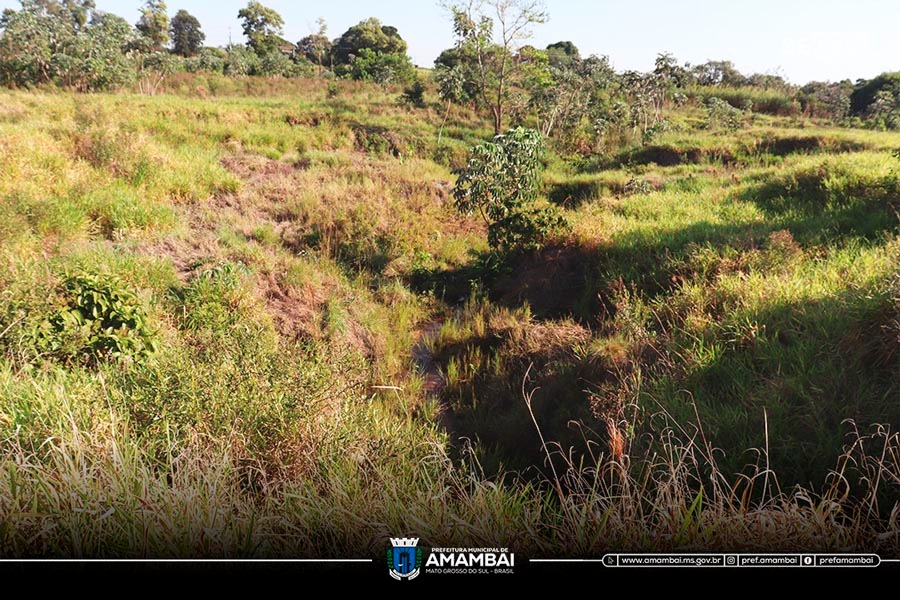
491, 67
72, 44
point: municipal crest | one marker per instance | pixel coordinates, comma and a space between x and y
404, 559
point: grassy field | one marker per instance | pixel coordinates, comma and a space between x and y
712, 355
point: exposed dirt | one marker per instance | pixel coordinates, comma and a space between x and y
296, 309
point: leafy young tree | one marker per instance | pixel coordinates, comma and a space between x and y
500, 182
154, 24
451, 88
186, 34
646, 93
670, 74
494, 67
464, 62
263, 27
571, 97
153, 68
720, 113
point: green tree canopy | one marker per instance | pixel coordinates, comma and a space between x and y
490, 67
53, 42
186, 34
563, 54
154, 24
719, 72
75, 13
263, 27
369, 34
315, 48
372, 51
866, 92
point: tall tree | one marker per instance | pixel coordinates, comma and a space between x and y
371, 34
154, 24
263, 27
372, 51
316, 47
495, 67
563, 54
76, 13
186, 34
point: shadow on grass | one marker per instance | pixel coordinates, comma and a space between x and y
801, 369
810, 366
788, 376
571, 280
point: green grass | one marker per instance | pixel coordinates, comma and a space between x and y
721, 294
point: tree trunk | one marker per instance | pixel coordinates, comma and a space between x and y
446, 116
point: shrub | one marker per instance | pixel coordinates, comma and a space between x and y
241, 61
721, 114
101, 320
211, 60
216, 302
500, 182
414, 95
380, 67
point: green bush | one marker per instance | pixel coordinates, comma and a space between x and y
101, 320
721, 114
501, 182
214, 299
414, 95
865, 94
210, 60
380, 67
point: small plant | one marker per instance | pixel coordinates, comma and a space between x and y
721, 114
102, 320
500, 182
333, 90
214, 299
654, 131
414, 95
637, 185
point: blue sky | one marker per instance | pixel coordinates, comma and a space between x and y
802, 40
